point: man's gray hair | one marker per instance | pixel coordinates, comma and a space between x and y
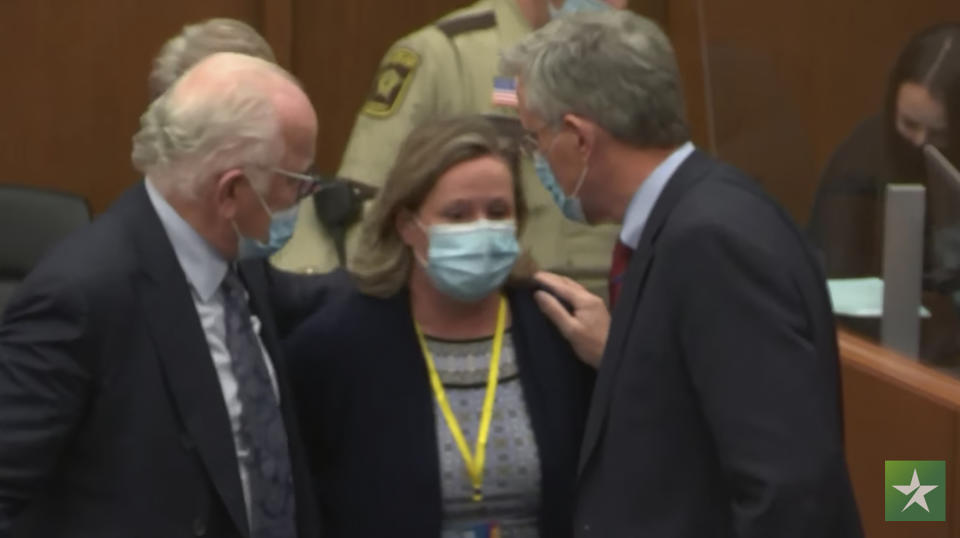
197, 41
198, 129
614, 68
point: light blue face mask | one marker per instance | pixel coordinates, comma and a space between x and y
469, 261
577, 6
282, 224
569, 204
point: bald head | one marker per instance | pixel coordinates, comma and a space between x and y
232, 73
229, 73
227, 111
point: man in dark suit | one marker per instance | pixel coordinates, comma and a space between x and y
140, 388
717, 406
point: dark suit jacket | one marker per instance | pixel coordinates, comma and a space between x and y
717, 407
112, 417
294, 297
367, 414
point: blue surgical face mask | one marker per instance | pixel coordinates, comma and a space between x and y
577, 6
569, 204
469, 261
282, 224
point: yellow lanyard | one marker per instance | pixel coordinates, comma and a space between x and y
473, 462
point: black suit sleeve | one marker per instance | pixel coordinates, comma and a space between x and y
295, 296
44, 386
768, 396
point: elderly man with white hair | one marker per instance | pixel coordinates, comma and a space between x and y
141, 391
293, 296
717, 409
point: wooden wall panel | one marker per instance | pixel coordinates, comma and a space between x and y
682, 23
790, 79
75, 85
276, 25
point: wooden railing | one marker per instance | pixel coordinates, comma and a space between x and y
898, 409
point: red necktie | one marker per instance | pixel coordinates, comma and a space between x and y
618, 269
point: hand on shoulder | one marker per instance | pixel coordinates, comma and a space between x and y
587, 327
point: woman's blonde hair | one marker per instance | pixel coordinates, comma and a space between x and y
382, 261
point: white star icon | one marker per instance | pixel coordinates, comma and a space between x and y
918, 491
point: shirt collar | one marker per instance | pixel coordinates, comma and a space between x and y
638, 211
201, 263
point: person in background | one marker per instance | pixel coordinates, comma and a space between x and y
717, 409
141, 391
199, 40
450, 68
436, 399
847, 218
846, 222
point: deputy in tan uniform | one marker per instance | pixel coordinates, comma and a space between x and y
449, 68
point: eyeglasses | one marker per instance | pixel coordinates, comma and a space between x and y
310, 183
529, 145
530, 141
307, 184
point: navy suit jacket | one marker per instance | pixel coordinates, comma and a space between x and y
367, 414
112, 419
717, 409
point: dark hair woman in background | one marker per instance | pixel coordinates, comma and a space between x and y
921, 107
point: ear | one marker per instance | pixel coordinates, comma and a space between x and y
226, 188
585, 130
407, 228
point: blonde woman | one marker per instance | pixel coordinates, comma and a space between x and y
436, 399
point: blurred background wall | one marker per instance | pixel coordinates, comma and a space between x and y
771, 86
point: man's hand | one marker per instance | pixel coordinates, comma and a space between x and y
587, 327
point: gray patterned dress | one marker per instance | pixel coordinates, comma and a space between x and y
511, 481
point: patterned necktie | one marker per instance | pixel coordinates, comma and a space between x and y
618, 269
262, 431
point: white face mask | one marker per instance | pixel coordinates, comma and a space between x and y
569, 204
469, 261
282, 224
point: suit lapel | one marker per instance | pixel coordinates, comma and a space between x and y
612, 356
185, 358
692, 171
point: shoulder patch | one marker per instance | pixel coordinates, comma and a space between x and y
468, 23
392, 81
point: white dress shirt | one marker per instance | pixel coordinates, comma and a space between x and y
205, 269
638, 212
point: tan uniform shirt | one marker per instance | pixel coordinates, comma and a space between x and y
448, 68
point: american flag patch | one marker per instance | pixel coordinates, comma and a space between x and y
505, 92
